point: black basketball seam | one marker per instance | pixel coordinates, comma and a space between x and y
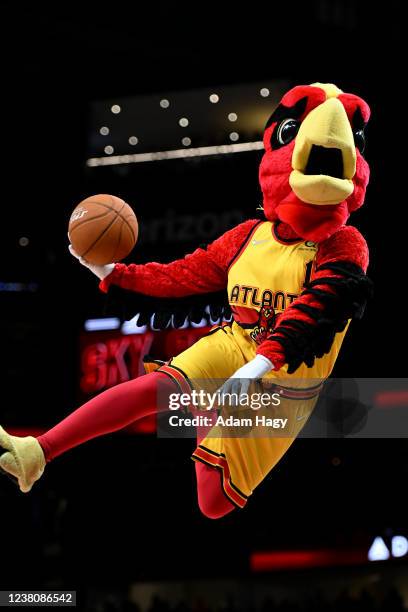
88, 201
130, 227
118, 243
85, 221
104, 232
118, 213
124, 220
133, 234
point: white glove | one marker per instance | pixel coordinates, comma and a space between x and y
240, 381
100, 271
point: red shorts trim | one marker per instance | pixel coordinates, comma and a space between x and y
220, 462
178, 376
293, 393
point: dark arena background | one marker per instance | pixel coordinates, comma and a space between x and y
163, 104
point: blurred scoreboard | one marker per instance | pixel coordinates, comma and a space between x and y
109, 357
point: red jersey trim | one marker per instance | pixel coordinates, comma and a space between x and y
284, 241
243, 245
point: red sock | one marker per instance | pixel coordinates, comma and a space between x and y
111, 410
212, 500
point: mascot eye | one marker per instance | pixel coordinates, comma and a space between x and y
359, 140
287, 131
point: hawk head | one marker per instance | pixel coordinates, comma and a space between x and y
313, 173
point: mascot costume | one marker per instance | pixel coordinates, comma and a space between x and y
294, 281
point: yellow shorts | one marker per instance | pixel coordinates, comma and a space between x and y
245, 461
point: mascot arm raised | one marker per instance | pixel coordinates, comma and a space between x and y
338, 291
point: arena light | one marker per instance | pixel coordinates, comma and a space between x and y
131, 327
116, 160
269, 561
378, 550
133, 140
103, 324
202, 323
391, 399
17, 287
399, 546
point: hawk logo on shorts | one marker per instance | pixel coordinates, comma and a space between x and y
78, 214
266, 322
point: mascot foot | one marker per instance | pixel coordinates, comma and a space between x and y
22, 459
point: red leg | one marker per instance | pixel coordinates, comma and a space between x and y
118, 407
212, 500
111, 410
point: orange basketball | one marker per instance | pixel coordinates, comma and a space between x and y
103, 229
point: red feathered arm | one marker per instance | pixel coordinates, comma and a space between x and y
337, 292
203, 271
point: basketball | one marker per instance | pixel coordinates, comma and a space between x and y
103, 229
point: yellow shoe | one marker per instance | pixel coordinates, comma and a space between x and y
22, 458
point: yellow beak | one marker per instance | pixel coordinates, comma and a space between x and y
325, 127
